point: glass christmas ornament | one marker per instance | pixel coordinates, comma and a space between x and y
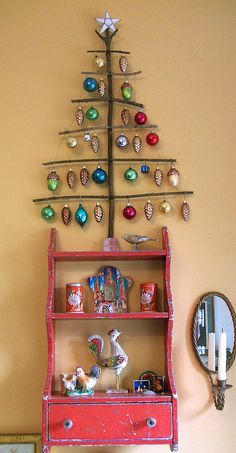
66, 214
173, 176
137, 143
98, 212
87, 137
145, 168
95, 143
71, 178
125, 116
99, 175
123, 63
130, 174
148, 210
53, 180
92, 114
79, 115
72, 142
84, 175
158, 176
185, 211
152, 139
101, 87
129, 212
140, 118
99, 62
165, 207
90, 84
122, 141
47, 213
81, 215
126, 90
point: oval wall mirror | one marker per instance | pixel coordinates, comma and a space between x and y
214, 313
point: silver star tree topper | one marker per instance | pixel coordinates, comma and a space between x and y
107, 23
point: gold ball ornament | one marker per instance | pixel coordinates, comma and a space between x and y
165, 207
72, 142
99, 62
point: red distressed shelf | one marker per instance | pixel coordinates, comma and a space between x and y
138, 255
134, 315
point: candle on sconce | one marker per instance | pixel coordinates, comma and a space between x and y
211, 352
222, 357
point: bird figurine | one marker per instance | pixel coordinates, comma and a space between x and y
136, 239
86, 381
69, 383
118, 358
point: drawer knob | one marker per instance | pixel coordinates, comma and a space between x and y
151, 422
68, 424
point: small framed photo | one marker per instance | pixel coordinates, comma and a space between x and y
140, 385
21, 443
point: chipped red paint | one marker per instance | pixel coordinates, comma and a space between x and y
104, 419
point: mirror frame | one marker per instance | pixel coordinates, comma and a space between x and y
230, 361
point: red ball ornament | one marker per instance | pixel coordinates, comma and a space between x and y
140, 117
129, 212
152, 138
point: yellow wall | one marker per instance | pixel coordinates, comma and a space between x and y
186, 50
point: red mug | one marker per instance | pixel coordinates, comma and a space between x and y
148, 296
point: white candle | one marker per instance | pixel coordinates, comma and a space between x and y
211, 351
222, 357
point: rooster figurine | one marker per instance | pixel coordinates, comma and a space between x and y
118, 358
86, 381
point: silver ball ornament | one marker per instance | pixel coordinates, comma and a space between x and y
87, 137
122, 141
99, 62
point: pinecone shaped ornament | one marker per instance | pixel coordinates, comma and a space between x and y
125, 117
173, 176
158, 176
137, 143
98, 212
123, 63
66, 214
95, 143
84, 176
185, 211
71, 178
148, 210
79, 115
101, 87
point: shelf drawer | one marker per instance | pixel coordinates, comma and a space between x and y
115, 422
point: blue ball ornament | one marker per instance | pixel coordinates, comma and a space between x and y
145, 169
99, 175
81, 215
90, 84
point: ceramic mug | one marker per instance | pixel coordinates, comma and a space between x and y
148, 296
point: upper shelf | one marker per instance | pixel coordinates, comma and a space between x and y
129, 255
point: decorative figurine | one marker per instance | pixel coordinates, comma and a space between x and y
117, 360
80, 383
136, 239
110, 290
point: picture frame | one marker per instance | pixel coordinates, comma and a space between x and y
140, 385
20, 443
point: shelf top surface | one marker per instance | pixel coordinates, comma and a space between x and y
102, 396
106, 256
132, 315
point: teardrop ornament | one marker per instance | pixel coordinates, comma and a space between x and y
125, 116
71, 178
98, 212
158, 176
66, 214
101, 87
79, 115
148, 210
95, 143
123, 63
81, 215
137, 143
185, 211
84, 176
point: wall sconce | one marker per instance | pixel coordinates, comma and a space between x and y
214, 341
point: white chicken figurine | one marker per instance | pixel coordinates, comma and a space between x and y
118, 358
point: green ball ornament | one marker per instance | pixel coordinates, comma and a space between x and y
92, 114
130, 174
48, 213
81, 215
